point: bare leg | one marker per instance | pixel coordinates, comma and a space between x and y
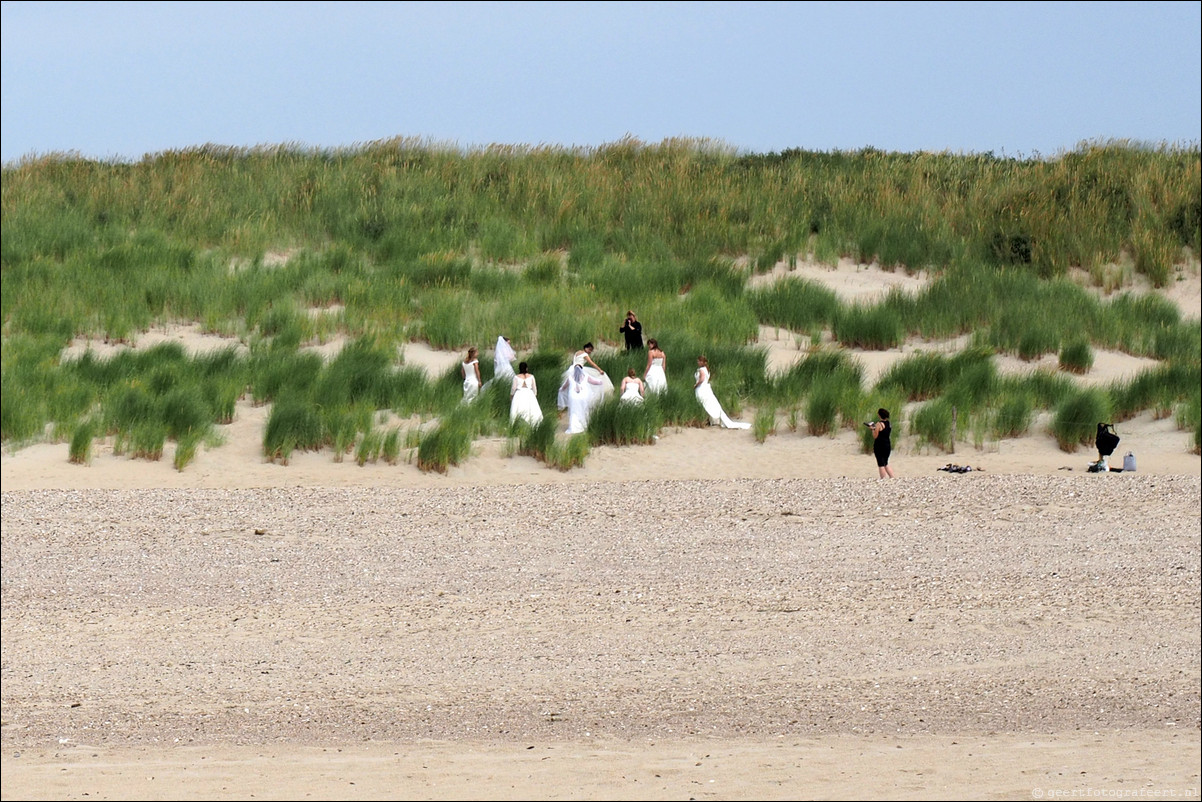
889, 470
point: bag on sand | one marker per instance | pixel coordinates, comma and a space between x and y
1128, 462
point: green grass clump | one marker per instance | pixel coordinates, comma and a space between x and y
293, 424
537, 441
1076, 357
822, 409
449, 443
1159, 389
619, 423
390, 446
186, 448
871, 328
369, 447
144, 440
80, 450
917, 377
973, 380
822, 366
1076, 419
186, 413
570, 453
933, 422
763, 424
795, 304
1189, 418
1012, 416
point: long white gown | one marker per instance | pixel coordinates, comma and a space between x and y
656, 380
578, 393
597, 391
471, 384
631, 394
502, 361
525, 401
709, 401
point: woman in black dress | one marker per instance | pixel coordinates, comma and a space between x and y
881, 442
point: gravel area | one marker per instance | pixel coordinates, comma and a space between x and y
640, 610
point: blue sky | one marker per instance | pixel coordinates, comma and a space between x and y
122, 80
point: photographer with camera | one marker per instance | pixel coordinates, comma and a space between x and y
633, 330
882, 443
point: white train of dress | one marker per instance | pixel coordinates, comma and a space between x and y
709, 402
525, 401
657, 380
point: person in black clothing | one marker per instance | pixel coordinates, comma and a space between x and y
1106, 441
882, 445
633, 330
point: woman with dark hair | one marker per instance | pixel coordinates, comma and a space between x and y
709, 401
524, 394
882, 444
654, 375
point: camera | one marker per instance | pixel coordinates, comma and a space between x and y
869, 423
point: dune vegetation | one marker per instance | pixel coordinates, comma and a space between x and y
403, 241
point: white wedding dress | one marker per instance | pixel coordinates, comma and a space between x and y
631, 394
577, 395
709, 402
657, 380
525, 401
597, 386
471, 384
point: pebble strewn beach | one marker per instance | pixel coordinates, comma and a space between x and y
648, 610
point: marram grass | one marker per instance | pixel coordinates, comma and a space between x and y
399, 240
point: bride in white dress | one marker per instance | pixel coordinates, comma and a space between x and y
585, 385
597, 386
524, 392
577, 394
709, 401
654, 375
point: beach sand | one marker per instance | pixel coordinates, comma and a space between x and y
705, 617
